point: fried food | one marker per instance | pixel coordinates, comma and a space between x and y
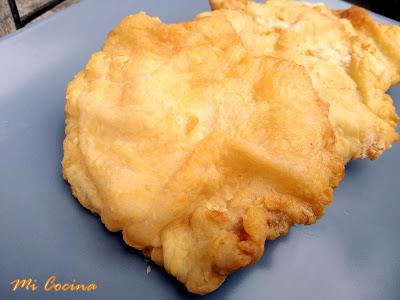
195, 149
351, 60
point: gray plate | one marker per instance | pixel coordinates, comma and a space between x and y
352, 253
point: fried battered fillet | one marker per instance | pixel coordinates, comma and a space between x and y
195, 149
351, 59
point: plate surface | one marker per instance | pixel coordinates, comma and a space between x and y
352, 253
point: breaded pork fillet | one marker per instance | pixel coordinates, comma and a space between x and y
194, 148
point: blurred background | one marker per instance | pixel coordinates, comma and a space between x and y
388, 8
15, 14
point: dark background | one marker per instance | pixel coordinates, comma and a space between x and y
388, 8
